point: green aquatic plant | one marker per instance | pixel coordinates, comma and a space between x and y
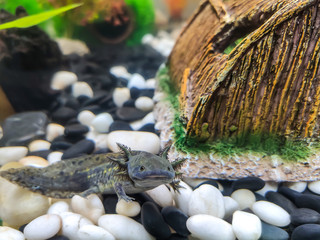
35, 19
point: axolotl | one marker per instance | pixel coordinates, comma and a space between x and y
124, 172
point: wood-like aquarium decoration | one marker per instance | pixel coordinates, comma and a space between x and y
243, 82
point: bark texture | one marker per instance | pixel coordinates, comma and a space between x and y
268, 84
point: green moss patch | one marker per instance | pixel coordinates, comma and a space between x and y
268, 144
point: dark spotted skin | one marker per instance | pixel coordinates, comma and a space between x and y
124, 172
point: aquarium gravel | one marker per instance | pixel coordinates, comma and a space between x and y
107, 99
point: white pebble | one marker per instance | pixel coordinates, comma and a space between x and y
297, 186
123, 228
69, 46
151, 83
137, 81
246, 226
230, 206
38, 145
120, 72
244, 197
129, 209
269, 186
149, 118
161, 195
85, 117
92, 232
63, 79
34, 161
71, 223
206, 199
1, 132
182, 197
81, 89
147, 38
144, 103
54, 130
59, 207
54, 157
205, 227
90, 207
143, 141
102, 122
314, 187
271, 213
120, 96
12, 154
43, 227
100, 140
8, 233
136, 125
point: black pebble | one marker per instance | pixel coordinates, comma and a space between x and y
120, 125
227, 189
63, 114
96, 109
282, 201
270, 232
147, 128
303, 216
147, 93
41, 153
129, 103
134, 92
153, 221
176, 219
60, 145
259, 197
82, 99
176, 236
98, 96
130, 114
75, 130
72, 102
82, 147
109, 203
289, 193
107, 103
59, 238
306, 232
210, 182
308, 201
251, 183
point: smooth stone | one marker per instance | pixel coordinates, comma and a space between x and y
12, 154
176, 219
60, 145
244, 197
82, 147
85, 117
63, 79
246, 225
130, 114
110, 203
282, 201
120, 96
81, 88
303, 216
161, 195
146, 93
251, 183
296, 186
314, 187
34, 161
206, 200
72, 46
268, 187
182, 197
204, 226
91, 232
230, 206
58, 208
21, 128
75, 130
101, 123
43, 227
149, 118
54, 130
59, 237
153, 221
308, 201
71, 223
142, 141
129, 103
8, 233
100, 141
271, 213
147, 128
135, 92
306, 232
136, 125
120, 125
41, 153
54, 157
120, 72
151, 83
270, 232
209, 182
136, 80
144, 103
38, 145
129, 209
90, 207
63, 114
123, 228
292, 195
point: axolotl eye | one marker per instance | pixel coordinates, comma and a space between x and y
142, 168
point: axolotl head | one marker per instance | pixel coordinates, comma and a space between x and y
148, 170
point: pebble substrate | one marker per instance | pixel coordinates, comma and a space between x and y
96, 109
